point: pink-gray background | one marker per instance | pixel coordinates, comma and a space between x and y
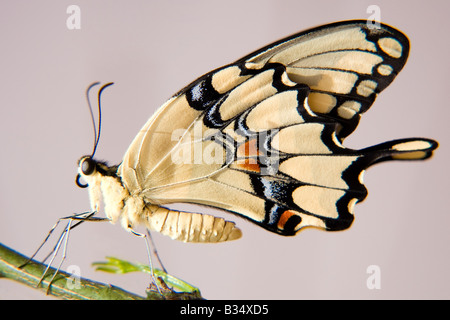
151, 49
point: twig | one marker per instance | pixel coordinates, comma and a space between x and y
63, 285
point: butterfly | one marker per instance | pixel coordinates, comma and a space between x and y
262, 138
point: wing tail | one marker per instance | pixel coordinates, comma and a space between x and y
402, 149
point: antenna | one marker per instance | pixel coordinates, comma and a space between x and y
96, 132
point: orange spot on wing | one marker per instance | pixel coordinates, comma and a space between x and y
247, 154
248, 149
284, 218
248, 166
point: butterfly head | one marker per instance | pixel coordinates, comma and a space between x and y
86, 167
104, 185
90, 170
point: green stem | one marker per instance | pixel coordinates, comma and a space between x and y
64, 285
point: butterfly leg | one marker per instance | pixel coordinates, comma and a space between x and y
80, 218
147, 245
42, 244
155, 252
64, 235
48, 236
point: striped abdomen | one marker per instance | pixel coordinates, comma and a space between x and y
190, 227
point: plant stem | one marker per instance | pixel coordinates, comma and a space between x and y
63, 286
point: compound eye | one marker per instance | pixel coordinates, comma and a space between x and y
87, 166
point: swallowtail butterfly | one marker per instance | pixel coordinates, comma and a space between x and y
261, 137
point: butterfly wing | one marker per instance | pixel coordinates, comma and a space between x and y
262, 137
346, 64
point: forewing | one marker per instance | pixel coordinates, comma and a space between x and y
346, 64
